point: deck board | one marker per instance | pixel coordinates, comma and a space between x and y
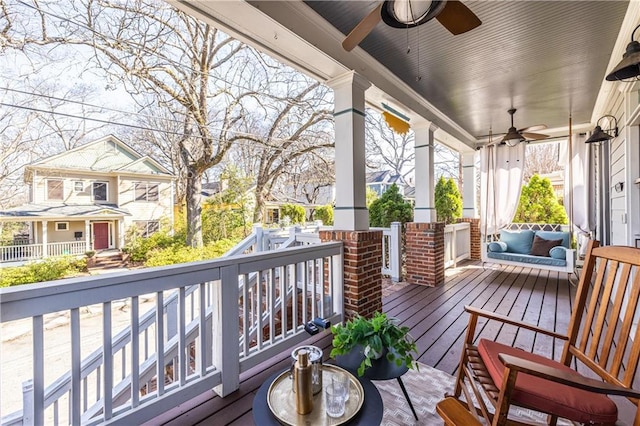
437, 321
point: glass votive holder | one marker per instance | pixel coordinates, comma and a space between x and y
343, 380
334, 401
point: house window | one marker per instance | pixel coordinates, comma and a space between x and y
273, 215
78, 186
55, 189
99, 191
146, 191
148, 227
62, 226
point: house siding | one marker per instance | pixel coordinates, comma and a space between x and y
54, 236
617, 170
70, 195
145, 210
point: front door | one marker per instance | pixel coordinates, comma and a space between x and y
100, 236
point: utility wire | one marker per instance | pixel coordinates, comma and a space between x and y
101, 107
250, 136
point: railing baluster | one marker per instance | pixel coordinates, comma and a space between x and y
107, 356
135, 352
193, 306
245, 316
202, 331
56, 413
146, 343
314, 282
75, 366
159, 343
322, 274
183, 356
294, 296
272, 305
123, 361
85, 394
305, 284
283, 300
38, 370
98, 381
260, 327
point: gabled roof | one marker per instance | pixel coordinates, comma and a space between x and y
209, 189
383, 176
108, 154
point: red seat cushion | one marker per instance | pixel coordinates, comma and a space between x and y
549, 397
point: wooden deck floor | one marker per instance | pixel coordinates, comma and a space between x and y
437, 321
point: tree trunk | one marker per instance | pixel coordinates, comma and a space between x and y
194, 208
259, 207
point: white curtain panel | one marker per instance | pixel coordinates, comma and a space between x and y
579, 183
501, 171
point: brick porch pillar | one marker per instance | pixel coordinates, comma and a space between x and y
425, 253
362, 270
475, 236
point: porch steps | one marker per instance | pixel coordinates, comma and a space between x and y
108, 261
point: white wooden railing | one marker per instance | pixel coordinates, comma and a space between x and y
21, 252
392, 251
159, 362
271, 239
457, 243
25, 252
66, 248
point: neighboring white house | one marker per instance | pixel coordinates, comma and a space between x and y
86, 198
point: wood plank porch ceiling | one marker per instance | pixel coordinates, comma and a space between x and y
437, 321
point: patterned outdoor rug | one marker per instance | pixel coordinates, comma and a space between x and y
426, 388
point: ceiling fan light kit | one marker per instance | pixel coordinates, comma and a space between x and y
515, 136
409, 14
512, 138
452, 14
629, 68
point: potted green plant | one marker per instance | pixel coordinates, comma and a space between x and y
375, 337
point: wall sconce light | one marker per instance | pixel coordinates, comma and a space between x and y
629, 68
618, 186
600, 135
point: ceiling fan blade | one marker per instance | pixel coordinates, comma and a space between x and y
458, 18
533, 128
363, 29
534, 136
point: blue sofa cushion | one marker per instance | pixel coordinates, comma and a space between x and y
527, 258
558, 252
541, 247
517, 241
498, 246
556, 235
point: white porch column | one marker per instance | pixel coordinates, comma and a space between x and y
44, 239
87, 234
121, 231
351, 212
424, 210
469, 185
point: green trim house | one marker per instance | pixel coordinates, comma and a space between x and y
86, 198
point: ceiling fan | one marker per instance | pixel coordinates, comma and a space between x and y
515, 136
452, 14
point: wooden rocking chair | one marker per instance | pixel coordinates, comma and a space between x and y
603, 342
